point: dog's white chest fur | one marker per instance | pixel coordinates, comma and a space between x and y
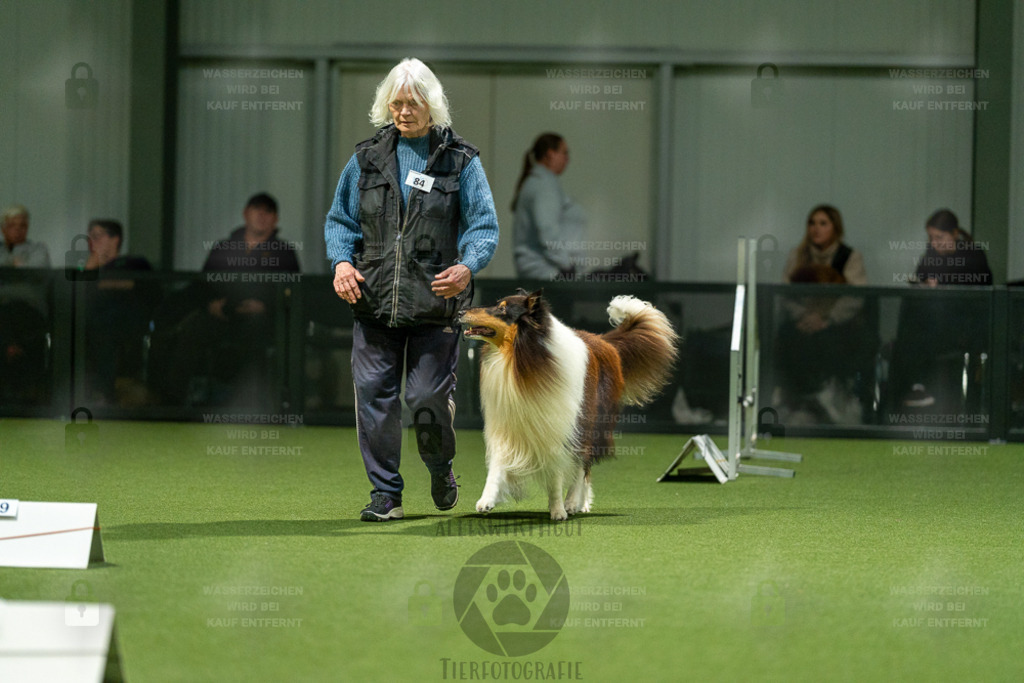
529, 433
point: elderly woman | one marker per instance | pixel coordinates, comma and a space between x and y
412, 222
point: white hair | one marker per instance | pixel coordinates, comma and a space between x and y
413, 74
13, 211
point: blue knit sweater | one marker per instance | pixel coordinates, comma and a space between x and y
478, 228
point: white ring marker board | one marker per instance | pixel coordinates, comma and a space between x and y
39, 643
49, 535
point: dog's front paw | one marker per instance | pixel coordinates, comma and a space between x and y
558, 514
484, 505
586, 507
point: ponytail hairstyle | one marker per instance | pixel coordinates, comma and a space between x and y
946, 221
544, 143
836, 218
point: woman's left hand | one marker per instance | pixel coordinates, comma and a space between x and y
812, 322
450, 281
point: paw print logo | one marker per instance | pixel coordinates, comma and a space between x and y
515, 601
511, 598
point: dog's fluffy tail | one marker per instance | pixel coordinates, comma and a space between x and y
646, 343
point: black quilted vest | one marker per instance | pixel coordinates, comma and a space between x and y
401, 250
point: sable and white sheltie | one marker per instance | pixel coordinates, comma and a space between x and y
551, 395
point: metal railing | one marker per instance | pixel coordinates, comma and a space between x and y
173, 360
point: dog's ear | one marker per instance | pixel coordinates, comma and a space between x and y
522, 292
534, 310
534, 302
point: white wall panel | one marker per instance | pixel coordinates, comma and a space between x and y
1015, 265
227, 153
838, 140
903, 27
65, 165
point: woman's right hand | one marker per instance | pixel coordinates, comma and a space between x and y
346, 281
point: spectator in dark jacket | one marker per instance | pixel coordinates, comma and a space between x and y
952, 257
936, 333
117, 312
227, 341
252, 248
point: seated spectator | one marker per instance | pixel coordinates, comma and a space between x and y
935, 333
225, 344
18, 251
252, 248
24, 343
821, 344
952, 257
24, 313
823, 245
105, 238
117, 314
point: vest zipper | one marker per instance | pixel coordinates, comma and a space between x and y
398, 259
398, 240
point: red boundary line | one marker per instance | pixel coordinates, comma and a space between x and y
50, 533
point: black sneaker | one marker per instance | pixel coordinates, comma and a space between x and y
918, 397
444, 490
381, 509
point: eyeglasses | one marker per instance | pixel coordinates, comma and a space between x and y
399, 105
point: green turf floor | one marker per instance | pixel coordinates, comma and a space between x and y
889, 560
